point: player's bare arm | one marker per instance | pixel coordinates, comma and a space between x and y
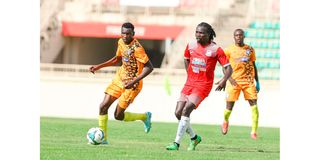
186, 64
147, 69
231, 80
222, 83
256, 77
114, 60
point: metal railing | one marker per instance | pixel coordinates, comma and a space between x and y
176, 76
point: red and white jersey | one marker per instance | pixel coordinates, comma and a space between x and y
203, 61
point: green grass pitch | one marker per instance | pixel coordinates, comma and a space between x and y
65, 139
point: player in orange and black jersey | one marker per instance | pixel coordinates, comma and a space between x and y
127, 82
242, 59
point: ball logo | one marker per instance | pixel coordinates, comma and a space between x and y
125, 59
248, 51
244, 59
209, 53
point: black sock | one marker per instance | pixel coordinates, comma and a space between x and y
194, 138
177, 144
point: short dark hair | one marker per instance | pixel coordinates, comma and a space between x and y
128, 25
241, 30
211, 31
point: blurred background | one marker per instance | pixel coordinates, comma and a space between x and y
75, 34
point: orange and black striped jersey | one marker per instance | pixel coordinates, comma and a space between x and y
132, 62
241, 60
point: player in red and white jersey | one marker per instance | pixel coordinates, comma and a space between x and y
200, 60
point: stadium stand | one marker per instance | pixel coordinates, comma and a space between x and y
66, 58
264, 36
260, 19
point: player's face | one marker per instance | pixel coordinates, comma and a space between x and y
238, 37
126, 35
202, 35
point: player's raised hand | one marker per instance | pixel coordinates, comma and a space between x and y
130, 84
233, 82
221, 85
92, 69
258, 86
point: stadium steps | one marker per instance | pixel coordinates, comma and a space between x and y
51, 40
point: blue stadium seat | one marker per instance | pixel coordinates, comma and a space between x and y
271, 34
276, 25
275, 45
264, 44
277, 55
273, 65
268, 25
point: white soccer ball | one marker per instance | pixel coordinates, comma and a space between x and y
95, 135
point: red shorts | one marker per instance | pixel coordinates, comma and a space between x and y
194, 94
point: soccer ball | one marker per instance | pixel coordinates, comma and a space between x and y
95, 135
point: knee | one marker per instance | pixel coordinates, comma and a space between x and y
118, 117
184, 112
102, 105
229, 107
178, 115
188, 109
103, 108
252, 102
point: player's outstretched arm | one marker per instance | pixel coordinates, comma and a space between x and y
147, 69
256, 77
186, 64
231, 80
114, 60
222, 83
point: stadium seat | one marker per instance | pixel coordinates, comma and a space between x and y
260, 54
277, 25
271, 34
246, 33
263, 44
261, 65
275, 45
268, 25
273, 65
250, 34
269, 74
276, 55
259, 34
267, 55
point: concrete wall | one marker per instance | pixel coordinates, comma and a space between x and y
88, 51
80, 98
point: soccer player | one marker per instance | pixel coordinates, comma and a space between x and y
127, 82
242, 59
200, 58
